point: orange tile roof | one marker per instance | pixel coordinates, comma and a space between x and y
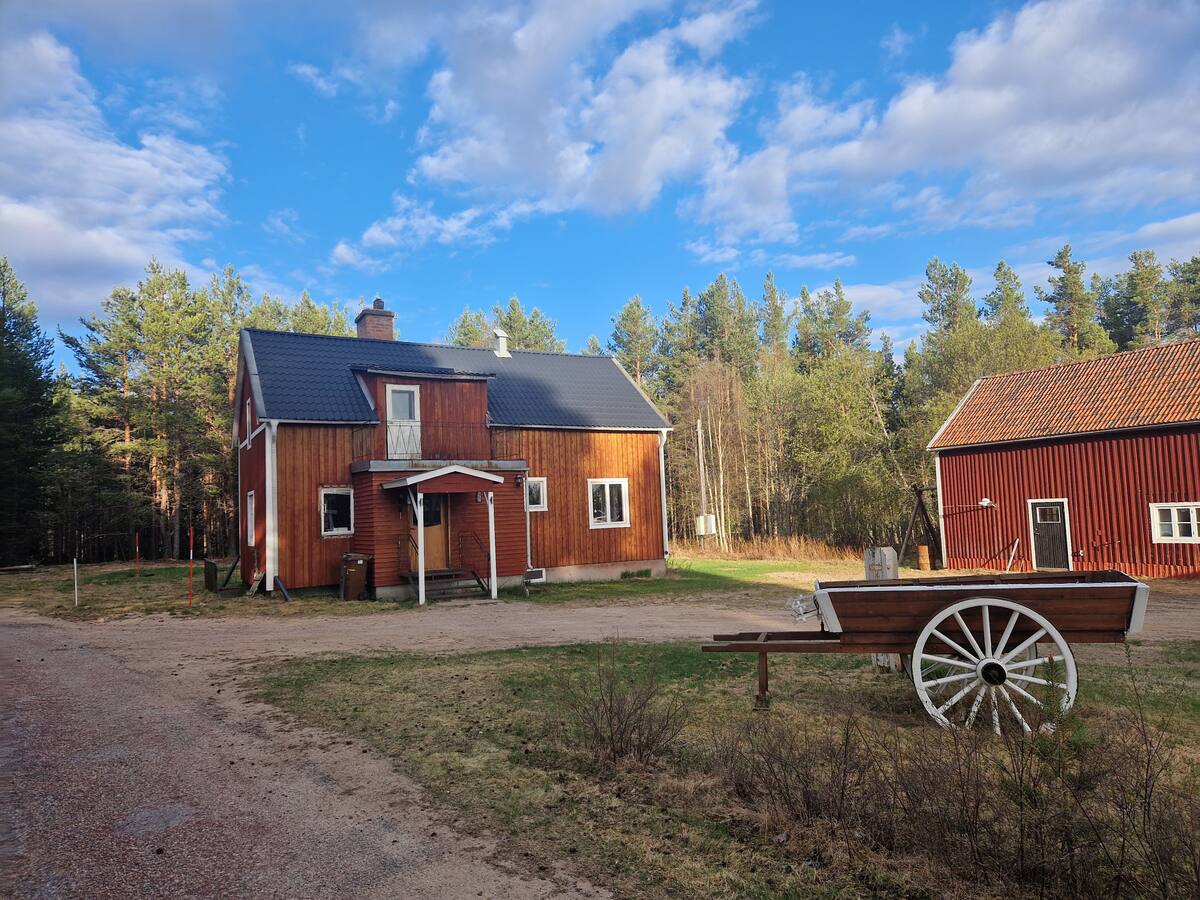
1135, 389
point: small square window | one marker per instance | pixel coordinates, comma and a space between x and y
337, 511
535, 494
1049, 514
250, 518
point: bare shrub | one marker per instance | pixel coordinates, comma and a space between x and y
615, 713
1111, 812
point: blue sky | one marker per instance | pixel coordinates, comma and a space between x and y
457, 153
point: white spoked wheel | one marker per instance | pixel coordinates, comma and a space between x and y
977, 663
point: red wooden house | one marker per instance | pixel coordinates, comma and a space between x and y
1087, 465
451, 467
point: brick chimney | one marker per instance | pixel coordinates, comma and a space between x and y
375, 322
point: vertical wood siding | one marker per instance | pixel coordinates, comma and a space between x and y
309, 457
561, 536
1109, 482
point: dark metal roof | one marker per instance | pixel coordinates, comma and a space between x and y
310, 378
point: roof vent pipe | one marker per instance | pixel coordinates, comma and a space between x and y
501, 346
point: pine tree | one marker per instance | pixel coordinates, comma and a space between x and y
1074, 313
29, 422
470, 329
592, 347
946, 295
826, 324
1007, 299
1146, 292
1184, 293
773, 314
634, 340
527, 332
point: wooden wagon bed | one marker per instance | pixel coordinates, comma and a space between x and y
959, 624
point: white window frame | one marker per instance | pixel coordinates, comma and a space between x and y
544, 505
340, 489
624, 483
1157, 538
250, 523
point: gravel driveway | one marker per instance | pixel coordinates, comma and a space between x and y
134, 766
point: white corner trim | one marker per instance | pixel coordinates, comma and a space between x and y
271, 569
412, 480
965, 397
937, 472
662, 485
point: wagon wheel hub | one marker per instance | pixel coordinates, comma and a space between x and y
992, 672
988, 661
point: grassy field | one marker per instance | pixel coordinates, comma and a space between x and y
113, 590
484, 733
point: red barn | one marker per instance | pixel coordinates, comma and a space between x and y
1087, 465
451, 467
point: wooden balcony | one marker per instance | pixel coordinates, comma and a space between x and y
401, 440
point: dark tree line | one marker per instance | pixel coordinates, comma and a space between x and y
810, 426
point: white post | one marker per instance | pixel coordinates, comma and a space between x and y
76, 581
491, 542
881, 564
420, 548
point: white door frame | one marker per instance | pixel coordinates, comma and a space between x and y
1066, 525
406, 430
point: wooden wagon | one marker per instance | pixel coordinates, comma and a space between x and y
986, 649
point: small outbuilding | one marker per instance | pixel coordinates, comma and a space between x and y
1086, 465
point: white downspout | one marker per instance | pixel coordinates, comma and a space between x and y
937, 469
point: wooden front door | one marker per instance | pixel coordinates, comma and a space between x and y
1048, 522
437, 533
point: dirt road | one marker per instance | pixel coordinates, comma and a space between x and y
134, 766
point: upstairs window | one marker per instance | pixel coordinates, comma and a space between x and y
337, 511
608, 500
535, 494
1175, 523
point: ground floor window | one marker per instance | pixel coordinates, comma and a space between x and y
249, 518
337, 510
535, 494
609, 502
1175, 523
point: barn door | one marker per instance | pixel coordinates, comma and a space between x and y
1048, 522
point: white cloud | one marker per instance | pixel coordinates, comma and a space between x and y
285, 224
346, 254
325, 85
80, 209
415, 224
815, 260
896, 43
867, 232
707, 253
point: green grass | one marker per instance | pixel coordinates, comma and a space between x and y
481, 731
691, 576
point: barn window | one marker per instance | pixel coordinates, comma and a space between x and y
535, 494
337, 511
609, 501
249, 518
1049, 514
1175, 523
